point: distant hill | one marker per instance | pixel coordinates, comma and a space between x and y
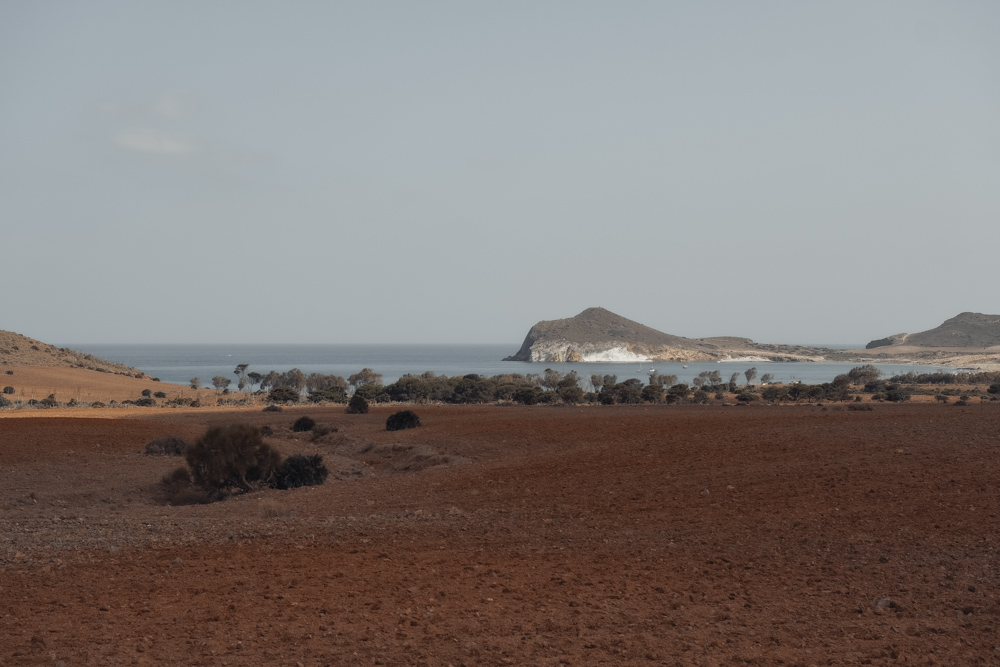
18, 350
597, 334
966, 330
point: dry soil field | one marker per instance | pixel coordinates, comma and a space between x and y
695, 535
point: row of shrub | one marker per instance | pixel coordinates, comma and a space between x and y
230, 459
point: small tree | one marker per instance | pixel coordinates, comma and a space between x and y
766, 378
196, 383
241, 374
365, 376
750, 373
220, 382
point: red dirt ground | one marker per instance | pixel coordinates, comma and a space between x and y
695, 535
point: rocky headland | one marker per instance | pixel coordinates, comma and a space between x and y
597, 335
969, 340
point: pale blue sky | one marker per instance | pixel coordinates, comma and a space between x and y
411, 172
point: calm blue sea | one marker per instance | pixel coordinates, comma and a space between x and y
179, 363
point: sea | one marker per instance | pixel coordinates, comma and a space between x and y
178, 364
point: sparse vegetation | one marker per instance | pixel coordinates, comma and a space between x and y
233, 459
168, 445
273, 408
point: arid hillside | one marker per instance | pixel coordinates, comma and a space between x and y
18, 350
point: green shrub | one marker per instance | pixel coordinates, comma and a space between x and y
357, 405
304, 423
168, 445
402, 420
299, 470
232, 457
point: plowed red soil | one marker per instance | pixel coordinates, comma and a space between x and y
695, 535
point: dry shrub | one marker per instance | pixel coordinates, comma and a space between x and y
232, 457
168, 445
357, 405
177, 488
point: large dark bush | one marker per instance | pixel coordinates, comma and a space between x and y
168, 445
299, 470
8, 390
232, 457
273, 408
303, 423
402, 420
357, 406
4, 402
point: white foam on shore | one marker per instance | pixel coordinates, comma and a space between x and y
743, 359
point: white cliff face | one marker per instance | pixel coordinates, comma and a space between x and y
554, 351
586, 352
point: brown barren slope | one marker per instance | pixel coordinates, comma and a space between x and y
622, 535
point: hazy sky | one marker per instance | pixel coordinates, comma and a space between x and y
412, 172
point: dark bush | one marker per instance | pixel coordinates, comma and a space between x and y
147, 393
299, 470
232, 457
303, 423
49, 401
8, 390
4, 402
860, 407
168, 445
273, 408
747, 397
402, 420
11, 372
98, 404
160, 394
145, 403
357, 405
283, 395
